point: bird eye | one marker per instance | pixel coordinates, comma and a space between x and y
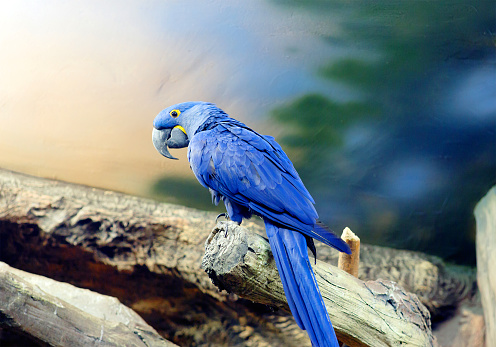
174, 113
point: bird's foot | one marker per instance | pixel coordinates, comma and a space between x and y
225, 215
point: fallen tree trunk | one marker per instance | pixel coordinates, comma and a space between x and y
147, 254
59, 314
374, 313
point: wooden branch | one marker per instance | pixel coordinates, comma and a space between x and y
59, 314
350, 262
374, 313
485, 216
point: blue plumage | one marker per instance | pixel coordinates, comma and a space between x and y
252, 175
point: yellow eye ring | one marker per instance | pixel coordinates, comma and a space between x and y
174, 113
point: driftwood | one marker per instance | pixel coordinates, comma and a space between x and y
374, 313
485, 215
60, 314
147, 254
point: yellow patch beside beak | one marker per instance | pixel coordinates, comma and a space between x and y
180, 127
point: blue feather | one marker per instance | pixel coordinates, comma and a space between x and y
304, 298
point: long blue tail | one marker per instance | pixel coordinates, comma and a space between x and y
305, 301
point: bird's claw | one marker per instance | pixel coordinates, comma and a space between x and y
224, 214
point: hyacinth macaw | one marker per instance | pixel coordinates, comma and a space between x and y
251, 174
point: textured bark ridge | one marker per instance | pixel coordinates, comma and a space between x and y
148, 254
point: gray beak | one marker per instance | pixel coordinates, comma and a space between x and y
173, 138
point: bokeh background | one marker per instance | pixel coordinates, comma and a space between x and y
387, 108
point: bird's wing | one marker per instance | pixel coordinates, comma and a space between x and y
252, 170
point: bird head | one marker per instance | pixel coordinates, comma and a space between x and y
174, 126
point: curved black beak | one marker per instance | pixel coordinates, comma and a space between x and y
165, 138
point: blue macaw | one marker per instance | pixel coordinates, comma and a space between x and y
251, 174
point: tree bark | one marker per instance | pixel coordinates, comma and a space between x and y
485, 216
147, 254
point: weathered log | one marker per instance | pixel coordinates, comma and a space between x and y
485, 216
59, 314
374, 313
147, 254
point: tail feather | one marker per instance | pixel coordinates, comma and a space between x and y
330, 238
300, 286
